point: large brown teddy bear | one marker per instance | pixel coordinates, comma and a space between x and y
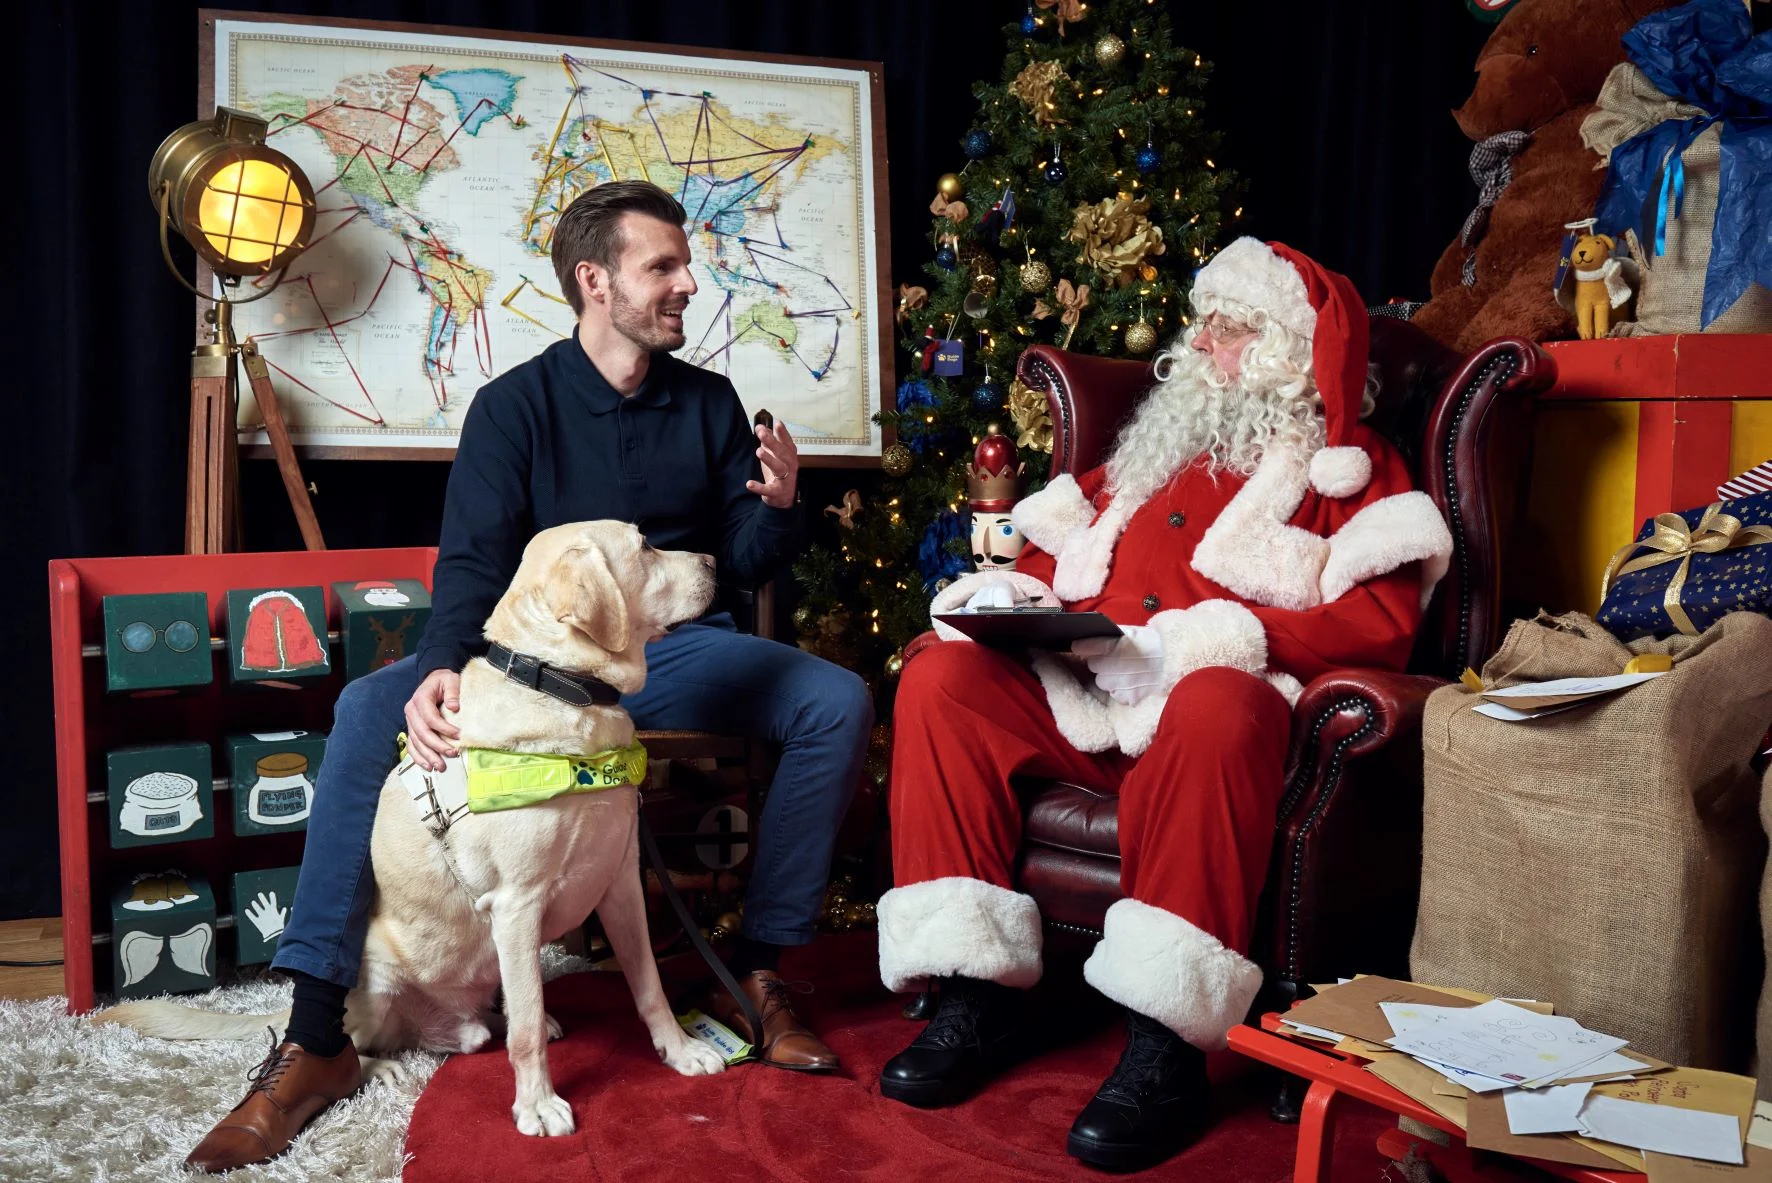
1539, 73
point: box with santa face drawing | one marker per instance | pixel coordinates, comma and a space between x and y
381, 621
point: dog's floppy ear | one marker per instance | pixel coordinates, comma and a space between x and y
1611, 243
582, 592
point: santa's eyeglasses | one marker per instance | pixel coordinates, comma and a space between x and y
181, 636
1223, 329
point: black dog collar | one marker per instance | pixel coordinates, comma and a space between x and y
580, 690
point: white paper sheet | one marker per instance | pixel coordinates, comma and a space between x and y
1470, 1080
1555, 1110
1500, 1040
1759, 1129
1319, 1032
1573, 686
1714, 1137
1508, 715
1611, 1063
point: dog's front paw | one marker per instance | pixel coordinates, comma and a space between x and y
549, 1117
555, 1031
692, 1057
375, 1068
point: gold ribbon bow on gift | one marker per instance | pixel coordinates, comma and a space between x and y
953, 211
910, 298
1073, 300
1674, 540
1069, 11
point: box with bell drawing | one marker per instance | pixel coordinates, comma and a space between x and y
1687, 570
273, 779
162, 935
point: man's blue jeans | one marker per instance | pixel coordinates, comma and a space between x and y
704, 676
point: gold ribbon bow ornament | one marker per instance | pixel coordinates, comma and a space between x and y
953, 211
1072, 300
1067, 11
910, 298
1673, 540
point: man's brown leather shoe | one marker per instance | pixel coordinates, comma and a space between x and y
289, 1089
787, 1042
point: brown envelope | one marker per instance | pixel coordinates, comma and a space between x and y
1668, 1168
1353, 1009
1486, 1129
1416, 1081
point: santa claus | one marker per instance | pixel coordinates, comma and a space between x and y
1247, 533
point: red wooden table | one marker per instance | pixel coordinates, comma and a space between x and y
1334, 1076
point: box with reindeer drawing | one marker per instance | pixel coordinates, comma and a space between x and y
273, 777
381, 620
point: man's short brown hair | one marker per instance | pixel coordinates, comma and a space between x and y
590, 229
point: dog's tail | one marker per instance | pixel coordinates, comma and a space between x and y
170, 1020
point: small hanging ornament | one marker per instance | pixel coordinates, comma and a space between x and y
1141, 336
1148, 160
896, 460
987, 396
977, 144
946, 258
1056, 172
1110, 51
803, 618
1036, 277
1030, 24
951, 186
895, 664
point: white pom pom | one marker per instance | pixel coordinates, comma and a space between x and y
1340, 472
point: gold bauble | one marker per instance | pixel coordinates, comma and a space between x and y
803, 618
1110, 51
1141, 338
1147, 273
896, 460
951, 186
1036, 277
860, 915
895, 664
729, 921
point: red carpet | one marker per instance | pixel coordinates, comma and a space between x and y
638, 1120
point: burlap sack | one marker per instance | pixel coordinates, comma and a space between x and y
1670, 297
1604, 859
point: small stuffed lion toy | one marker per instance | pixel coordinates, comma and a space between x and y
1601, 283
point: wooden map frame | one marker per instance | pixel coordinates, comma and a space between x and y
885, 340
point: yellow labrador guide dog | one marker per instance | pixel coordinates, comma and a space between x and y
464, 903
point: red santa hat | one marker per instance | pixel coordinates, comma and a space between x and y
1322, 306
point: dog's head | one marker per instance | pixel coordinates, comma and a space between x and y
1591, 250
588, 596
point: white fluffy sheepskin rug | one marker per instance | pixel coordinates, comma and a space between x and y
95, 1103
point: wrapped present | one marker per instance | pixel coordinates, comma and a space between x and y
1685, 571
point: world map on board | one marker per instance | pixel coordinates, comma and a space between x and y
441, 166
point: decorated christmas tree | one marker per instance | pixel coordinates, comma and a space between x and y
1086, 198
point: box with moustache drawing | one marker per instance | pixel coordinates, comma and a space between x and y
162, 935
277, 634
261, 911
380, 621
160, 793
272, 775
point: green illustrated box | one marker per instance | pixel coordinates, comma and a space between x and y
160, 793
261, 911
381, 620
272, 775
276, 634
158, 641
162, 936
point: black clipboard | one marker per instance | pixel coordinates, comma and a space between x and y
1030, 628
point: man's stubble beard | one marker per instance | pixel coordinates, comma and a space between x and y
637, 325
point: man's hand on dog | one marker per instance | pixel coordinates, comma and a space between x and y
781, 466
428, 733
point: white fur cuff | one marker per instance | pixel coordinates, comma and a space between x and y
1080, 711
955, 595
1340, 472
1048, 517
1212, 632
958, 926
1382, 537
1159, 965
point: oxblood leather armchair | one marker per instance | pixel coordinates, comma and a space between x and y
1345, 872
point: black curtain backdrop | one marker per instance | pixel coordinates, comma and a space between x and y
1335, 113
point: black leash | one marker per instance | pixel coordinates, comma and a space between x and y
693, 932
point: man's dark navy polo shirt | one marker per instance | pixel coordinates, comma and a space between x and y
551, 442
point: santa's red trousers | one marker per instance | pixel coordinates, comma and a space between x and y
1197, 809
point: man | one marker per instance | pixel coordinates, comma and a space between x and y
1247, 533
606, 424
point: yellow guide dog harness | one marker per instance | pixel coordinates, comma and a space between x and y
485, 780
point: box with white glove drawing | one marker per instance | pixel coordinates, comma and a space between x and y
261, 911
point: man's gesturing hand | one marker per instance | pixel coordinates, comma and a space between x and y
1128, 667
428, 733
781, 466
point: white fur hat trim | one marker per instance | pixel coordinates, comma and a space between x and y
1248, 272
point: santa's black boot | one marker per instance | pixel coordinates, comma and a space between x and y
964, 1045
1155, 1102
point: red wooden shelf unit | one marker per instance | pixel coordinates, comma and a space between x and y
89, 722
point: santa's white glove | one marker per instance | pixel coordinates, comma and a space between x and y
266, 916
1129, 667
996, 593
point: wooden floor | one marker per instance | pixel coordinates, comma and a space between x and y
30, 940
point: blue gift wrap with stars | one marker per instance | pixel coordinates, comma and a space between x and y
1686, 571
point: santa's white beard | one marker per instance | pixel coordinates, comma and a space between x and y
1198, 412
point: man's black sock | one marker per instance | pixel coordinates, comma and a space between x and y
317, 1015
753, 955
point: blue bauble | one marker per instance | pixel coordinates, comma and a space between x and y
987, 396
946, 259
977, 144
1148, 159
1056, 173
1030, 24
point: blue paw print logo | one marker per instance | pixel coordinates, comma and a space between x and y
585, 777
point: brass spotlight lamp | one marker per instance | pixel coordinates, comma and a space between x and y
248, 211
